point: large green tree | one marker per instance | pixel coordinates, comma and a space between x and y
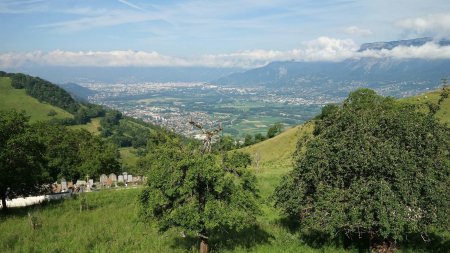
73, 154
22, 163
375, 168
199, 193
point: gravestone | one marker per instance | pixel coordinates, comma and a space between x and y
109, 182
64, 187
120, 178
103, 179
130, 178
70, 187
80, 183
91, 182
113, 177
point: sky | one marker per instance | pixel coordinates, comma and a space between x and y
228, 33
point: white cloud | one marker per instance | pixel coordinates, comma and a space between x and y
321, 49
432, 25
90, 58
429, 50
327, 49
357, 31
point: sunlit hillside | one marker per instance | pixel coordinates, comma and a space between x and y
17, 99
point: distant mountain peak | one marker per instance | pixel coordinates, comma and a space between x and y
392, 44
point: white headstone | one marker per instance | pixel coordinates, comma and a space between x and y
130, 178
113, 177
63, 185
91, 182
103, 179
120, 178
80, 182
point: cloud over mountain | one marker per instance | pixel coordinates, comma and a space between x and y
320, 49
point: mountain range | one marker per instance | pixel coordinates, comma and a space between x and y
365, 69
291, 73
408, 43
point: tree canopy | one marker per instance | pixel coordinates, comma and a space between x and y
199, 193
73, 154
274, 130
374, 167
22, 163
32, 156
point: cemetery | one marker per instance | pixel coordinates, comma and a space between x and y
66, 189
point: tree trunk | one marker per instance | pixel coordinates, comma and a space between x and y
204, 245
4, 207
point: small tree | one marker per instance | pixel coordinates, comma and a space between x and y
248, 140
52, 113
274, 130
259, 137
375, 167
198, 192
21, 157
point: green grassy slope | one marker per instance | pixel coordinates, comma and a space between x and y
92, 126
112, 225
128, 156
11, 98
276, 156
109, 226
443, 114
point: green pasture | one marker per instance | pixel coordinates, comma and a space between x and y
11, 98
92, 127
443, 114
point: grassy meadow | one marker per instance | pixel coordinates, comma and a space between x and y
11, 98
443, 114
92, 126
112, 225
128, 156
